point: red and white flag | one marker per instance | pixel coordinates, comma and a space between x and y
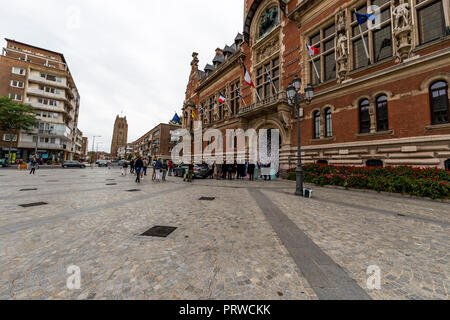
222, 99
248, 78
312, 50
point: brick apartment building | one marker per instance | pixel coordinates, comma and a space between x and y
156, 143
390, 109
41, 78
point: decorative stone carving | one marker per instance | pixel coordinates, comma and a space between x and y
269, 20
402, 29
342, 53
285, 119
270, 48
195, 60
216, 111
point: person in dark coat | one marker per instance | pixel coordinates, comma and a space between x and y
139, 166
251, 171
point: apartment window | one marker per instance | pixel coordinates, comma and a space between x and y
328, 123
439, 102
52, 140
263, 85
234, 98
325, 61
18, 71
378, 41
382, 113
49, 102
17, 84
15, 96
316, 125
430, 19
156, 134
364, 116
10, 137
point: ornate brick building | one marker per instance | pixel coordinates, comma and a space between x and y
381, 100
120, 136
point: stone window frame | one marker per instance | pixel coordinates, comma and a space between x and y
320, 30
432, 110
425, 88
368, 34
445, 4
322, 112
372, 111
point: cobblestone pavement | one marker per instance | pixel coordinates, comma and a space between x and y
231, 248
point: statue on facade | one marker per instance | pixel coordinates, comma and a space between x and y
342, 52
402, 30
401, 14
268, 21
216, 111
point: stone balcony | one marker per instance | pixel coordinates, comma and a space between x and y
268, 105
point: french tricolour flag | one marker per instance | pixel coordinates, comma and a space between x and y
312, 50
248, 78
222, 99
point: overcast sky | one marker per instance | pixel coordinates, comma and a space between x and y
132, 56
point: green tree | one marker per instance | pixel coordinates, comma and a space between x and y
15, 117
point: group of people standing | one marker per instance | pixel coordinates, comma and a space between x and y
235, 171
139, 167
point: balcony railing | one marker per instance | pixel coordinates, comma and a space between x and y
264, 104
50, 95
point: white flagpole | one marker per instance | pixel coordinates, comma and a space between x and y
364, 41
270, 79
312, 61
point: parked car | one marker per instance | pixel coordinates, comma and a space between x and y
103, 163
200, 172
4, 163
73, 164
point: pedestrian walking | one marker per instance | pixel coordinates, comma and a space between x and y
124, 168
190, 172
138, 165
132, 166
165, 168
145, 167
158, 167
154, 172
34, 164
170, 164
251, 171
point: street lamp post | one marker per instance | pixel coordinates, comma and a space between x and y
93, 145
295, 98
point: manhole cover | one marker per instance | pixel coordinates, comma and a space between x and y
37, 204
111, 184
207, 199
34, 189
159, 231
133, 190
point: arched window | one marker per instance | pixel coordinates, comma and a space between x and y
374, 163
316, 125
382, 113
439, 102
269, 19
364, 116
328, 123
447, 164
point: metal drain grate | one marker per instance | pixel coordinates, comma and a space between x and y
159, 231
133, 190
34, 189
36, 204
207, 199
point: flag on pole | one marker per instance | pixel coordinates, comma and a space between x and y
239, 93
248, 78
176, 118
364, 17
312, 50
270, 79
222, 99
193, 114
